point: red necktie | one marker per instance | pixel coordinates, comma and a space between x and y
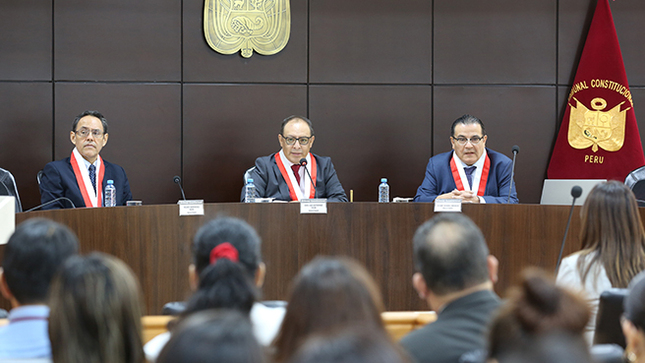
296, 168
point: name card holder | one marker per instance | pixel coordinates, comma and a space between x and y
313, 206
447, 205
191, 207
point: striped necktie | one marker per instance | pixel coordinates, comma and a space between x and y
93, 176
470, 170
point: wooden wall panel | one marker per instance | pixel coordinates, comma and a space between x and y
512, 116
117, 40
144, 126
25, 44
383, 41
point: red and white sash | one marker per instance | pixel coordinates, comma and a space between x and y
287, 173
482, 180
90, 197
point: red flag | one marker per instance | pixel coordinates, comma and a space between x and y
599, 137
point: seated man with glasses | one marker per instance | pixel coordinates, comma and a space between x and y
282, 175
82, 177
470, 172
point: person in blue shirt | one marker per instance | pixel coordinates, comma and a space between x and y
32, 256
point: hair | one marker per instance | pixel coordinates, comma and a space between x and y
33, 254
467, 120
533, 309
95, 312
208, 336
451, 253
96, 114
329, 293
298, 118
612, 233
351, 345
634, 304
552, 347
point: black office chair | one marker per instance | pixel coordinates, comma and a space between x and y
636, 182
8, 187
610, 309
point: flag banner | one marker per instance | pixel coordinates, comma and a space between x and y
598, 137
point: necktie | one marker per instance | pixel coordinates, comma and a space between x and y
296, 169
470, 170
93, 176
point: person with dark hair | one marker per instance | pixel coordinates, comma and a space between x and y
225, 336
328, 294
633, 322
470, 172
95, 312
226, 272
32, 256
455, 276
82, 177
350, 345
281, 176
534, 309
613, 246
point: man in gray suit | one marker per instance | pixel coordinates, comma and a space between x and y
288, 174
455, 276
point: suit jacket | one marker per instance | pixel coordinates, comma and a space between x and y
58, 180
439, 179
458, 334
269, 182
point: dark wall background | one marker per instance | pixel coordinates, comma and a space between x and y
382, 81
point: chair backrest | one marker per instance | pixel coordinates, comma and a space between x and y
610, 309
636, 182
39, 176
8, 187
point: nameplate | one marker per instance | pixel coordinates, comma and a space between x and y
191, 207
313, 206
447, 205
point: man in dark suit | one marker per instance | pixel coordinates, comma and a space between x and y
455, 276
82, 177
283, 177
471, 172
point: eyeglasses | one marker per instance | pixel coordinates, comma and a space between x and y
292, 140
83, 132
463, 140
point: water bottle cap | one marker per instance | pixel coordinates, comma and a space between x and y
249, 180
110, 181
383, 180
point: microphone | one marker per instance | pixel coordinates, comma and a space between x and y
51, 202
515, 150
303, 163
576, 192
177, 181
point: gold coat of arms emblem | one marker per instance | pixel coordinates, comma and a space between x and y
597, 128
247, 25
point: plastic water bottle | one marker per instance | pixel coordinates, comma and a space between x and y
384, 192
110, 194
250, 191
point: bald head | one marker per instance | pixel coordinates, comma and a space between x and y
450, 253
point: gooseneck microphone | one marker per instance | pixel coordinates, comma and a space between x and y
303, 163
515, 150
177, 181
576, 192
51, 202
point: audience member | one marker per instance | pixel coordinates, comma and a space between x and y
32, 256
95, 312
455, 276
534, 309
224, 336
226, 271
328, 294
634, 321
554, 347
613, 246
351, 345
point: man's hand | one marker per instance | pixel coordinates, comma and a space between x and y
466, 196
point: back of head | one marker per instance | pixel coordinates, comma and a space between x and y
552, 347
451, 253
634, 303
234, 231
32, 256
351, 345
612, 233
213, 336
95, 312
535, 308
328, 293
